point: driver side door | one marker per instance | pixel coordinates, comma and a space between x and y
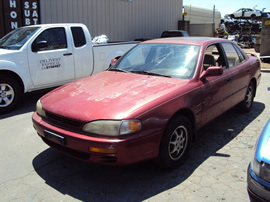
215, 89
53, 63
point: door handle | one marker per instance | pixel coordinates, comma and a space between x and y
229, 79
67, 54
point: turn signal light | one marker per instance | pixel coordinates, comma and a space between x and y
102, 150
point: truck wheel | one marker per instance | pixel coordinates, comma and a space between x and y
246, 104
175, 143
9, 93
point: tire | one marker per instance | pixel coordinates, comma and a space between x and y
246, 105
9, 93
175, 143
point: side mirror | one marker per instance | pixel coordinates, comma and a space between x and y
211, 71
113, 61
41, 45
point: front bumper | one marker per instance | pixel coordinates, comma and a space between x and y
119, 151
256, 191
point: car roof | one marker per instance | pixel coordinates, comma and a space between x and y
188, 40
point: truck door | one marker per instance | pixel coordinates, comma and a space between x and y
50, 58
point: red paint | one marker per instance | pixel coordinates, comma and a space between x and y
154, 100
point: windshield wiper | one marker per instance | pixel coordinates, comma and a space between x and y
149, 73
117, 70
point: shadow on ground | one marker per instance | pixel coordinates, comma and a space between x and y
141, 181
27, 103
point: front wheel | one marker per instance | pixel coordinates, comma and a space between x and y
246, 104
9, 93
175, 143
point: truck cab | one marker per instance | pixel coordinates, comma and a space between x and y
43, 56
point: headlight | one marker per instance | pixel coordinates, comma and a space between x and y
112, 128
262, 170
40, 110
256, 167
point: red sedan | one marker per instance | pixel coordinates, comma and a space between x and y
150, 103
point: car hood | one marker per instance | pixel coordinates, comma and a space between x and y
110, 95
263, 145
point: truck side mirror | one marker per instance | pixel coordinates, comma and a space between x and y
41, 45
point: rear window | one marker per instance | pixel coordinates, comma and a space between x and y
78, 36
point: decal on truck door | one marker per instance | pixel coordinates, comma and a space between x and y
50, 63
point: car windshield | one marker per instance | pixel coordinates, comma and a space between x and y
170, 60
17, 38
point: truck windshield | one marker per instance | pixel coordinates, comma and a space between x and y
170, 60
17, 38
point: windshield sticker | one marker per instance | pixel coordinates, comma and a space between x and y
50, 63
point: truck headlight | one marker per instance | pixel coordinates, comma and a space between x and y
40, 110
112, 128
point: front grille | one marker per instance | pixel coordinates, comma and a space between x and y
62, 121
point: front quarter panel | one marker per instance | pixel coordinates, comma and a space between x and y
263, 145
186, 101
21, 71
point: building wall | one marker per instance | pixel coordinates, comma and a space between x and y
201, 30
118, 19
17, 13
197, 15
202, 22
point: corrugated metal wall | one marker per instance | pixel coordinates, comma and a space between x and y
118, 19
197, 15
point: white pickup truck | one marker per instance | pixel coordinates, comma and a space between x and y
48, 55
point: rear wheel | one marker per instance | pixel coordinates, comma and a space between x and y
9, 93
246, 104
175, 143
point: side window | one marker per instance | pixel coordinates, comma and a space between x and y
231, 54
53, 38
78, 36
240, 54
213, 57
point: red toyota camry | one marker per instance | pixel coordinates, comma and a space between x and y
150, 103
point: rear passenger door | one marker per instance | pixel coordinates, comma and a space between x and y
83, 52
239, 71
